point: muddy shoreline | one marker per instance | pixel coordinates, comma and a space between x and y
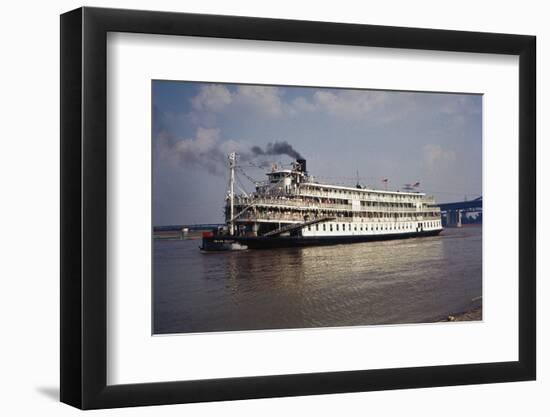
475, 314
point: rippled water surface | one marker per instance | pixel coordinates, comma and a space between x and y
400, 281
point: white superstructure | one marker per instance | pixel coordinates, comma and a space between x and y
290, 203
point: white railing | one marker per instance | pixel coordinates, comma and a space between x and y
307, 205
365, 196
282, 217
359, 195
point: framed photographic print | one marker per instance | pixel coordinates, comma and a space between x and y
259, 207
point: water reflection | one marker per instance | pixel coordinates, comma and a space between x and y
402, 281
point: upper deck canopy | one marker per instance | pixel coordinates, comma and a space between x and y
366, 190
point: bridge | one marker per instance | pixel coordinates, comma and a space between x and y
453, 211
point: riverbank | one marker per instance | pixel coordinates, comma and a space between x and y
475, 314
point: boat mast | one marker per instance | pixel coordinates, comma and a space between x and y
232, 158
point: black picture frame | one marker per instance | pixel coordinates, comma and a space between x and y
84, 207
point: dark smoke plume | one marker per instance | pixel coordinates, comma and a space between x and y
277, 148
206, 150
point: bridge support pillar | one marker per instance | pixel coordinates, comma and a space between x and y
454, 218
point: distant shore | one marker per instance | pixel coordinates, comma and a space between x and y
470, 315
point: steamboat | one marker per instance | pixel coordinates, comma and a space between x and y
292, 209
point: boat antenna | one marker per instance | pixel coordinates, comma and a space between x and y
232, 160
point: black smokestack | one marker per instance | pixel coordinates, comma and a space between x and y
302, 163
277, 148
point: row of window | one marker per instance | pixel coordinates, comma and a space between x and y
386, 204
362, 193
372, 227
342, 213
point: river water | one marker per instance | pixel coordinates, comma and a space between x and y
401, 281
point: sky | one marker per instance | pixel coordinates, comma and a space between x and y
432, 138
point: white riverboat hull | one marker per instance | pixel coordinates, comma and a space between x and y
262, 242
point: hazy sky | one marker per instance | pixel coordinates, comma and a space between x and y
406, 137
